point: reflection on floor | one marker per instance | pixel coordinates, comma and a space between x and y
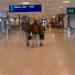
56, 57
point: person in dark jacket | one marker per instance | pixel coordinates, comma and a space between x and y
41, 34
27, 30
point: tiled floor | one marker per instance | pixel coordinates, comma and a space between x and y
56, 57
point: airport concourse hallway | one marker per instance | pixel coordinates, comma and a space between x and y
56, 57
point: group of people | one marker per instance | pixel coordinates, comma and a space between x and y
34, 32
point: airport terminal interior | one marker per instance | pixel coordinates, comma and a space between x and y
56, 56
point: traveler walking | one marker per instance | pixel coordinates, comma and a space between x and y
41, 34
27, 30
35, 33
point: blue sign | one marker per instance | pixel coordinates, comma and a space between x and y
71, 10
25, 8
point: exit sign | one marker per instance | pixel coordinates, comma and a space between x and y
71, 10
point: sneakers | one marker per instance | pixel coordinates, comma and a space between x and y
27, 44
41, 44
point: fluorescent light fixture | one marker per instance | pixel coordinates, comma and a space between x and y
25, 3
0, 20
66, 1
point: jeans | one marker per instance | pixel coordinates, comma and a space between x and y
26, 37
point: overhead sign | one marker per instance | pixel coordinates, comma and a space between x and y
25, 8
71, 10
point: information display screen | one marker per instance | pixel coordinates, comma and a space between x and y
25, 8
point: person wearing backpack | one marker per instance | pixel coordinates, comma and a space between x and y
41, 34
35, 32
27, 30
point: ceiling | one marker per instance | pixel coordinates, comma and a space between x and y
50, 7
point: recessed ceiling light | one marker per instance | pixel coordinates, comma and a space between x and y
25, 3
66, 1
53, 16
61, 7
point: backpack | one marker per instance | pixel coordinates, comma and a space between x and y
36, 28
